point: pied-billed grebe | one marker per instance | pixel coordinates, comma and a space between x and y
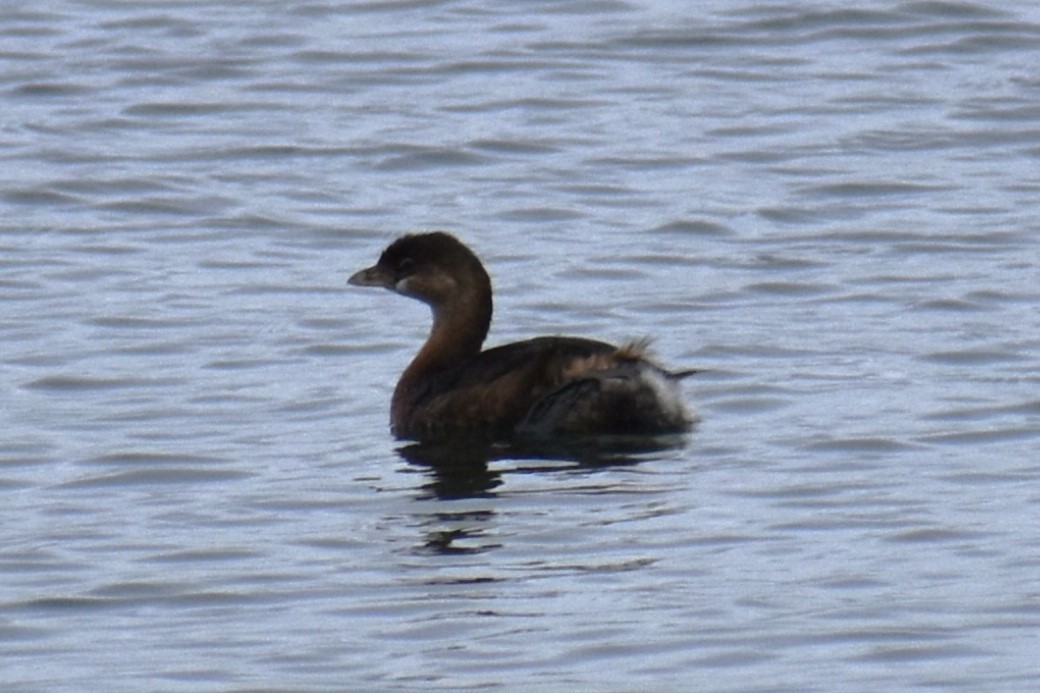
546, 387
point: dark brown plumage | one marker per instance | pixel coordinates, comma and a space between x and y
540, 388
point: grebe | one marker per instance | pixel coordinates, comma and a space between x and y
542, 388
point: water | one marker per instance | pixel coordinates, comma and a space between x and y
831, 210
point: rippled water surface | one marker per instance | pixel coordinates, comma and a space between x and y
833, 211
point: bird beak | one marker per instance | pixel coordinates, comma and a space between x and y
372, 276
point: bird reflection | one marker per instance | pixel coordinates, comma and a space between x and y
461, 472
457, 471
454, 472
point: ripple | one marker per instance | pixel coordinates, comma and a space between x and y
149, 477
430, 158
917, 652
76, 383
983, 436
149, 458
65, 604
873, 189
539, 215
876, 445
39, 197
695, 227
748, 405
1028, 408
790, 288
972, 357
933, 535
50, 90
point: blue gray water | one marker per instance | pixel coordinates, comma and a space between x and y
833, 211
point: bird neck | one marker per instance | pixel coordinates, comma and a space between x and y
459, 328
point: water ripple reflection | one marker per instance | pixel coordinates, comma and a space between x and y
830, 210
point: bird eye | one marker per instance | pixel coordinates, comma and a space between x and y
405, 267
